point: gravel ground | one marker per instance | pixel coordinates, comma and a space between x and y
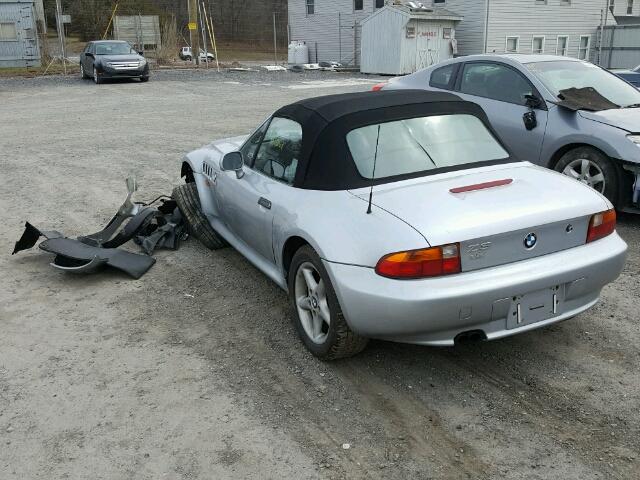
195, 370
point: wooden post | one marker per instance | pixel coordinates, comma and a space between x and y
193, 25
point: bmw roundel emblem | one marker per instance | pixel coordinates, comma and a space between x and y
530, 241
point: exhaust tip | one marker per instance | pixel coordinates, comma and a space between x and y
472, 336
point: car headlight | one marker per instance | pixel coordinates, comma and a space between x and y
634, 138
143, 62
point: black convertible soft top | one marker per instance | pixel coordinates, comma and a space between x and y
325, 161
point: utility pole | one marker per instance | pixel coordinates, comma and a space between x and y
193, 25
60, 26
275, 40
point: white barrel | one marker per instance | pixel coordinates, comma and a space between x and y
301, 53
292, 52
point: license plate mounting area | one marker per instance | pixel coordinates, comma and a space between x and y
535, 306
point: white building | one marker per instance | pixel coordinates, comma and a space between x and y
18, 34
332, 28
398, 39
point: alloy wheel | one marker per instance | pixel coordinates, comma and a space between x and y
587, 172
95, 75
311, 303
82, 75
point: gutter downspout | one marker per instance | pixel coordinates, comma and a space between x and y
486, 26
606, 20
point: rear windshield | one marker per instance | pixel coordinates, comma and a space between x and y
420, 144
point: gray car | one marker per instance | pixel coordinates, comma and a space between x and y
401, 216
106, 59
558, 112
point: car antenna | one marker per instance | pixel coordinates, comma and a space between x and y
373, 176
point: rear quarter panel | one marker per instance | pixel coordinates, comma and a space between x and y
338, 228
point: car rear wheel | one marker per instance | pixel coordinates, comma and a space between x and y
318, 316
83, 74
186, 196
144, 79
593, 168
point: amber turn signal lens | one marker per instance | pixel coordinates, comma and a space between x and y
427, 262
601, 225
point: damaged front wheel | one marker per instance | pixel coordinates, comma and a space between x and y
186, 196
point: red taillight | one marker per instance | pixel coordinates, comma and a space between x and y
378, 86
601, 225
427, 262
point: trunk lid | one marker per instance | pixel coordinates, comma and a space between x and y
492, 224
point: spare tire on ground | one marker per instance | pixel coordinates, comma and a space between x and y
186, 196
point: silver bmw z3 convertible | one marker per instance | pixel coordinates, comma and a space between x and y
402, 216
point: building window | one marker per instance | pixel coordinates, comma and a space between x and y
379, 3
537, 45
446, 33
512, 44
629, 7
583, 50
358, 4
541, 2
439, 1
8, 31
562, 46
311, 7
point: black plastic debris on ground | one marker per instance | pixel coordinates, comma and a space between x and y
149, 227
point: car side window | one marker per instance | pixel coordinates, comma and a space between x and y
86, 48
280, 149
442, 77
250, 147
495, 81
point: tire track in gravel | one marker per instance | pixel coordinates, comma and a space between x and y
555, 413
320, 405
403, 414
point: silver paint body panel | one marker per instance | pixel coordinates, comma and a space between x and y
414, 214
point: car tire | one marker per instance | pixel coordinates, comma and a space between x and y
96, 79
334, 340
188, 58
599, 166
186, 196
83, 74
144, 79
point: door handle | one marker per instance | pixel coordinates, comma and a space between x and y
263, 202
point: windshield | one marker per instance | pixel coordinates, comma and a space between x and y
113, 48
421, 144
563, 74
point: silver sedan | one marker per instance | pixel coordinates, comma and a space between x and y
562, 113
402, 216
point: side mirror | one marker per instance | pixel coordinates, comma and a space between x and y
532, 101
233, 161
141, 53
530, 120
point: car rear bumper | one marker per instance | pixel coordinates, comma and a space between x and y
435, 311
